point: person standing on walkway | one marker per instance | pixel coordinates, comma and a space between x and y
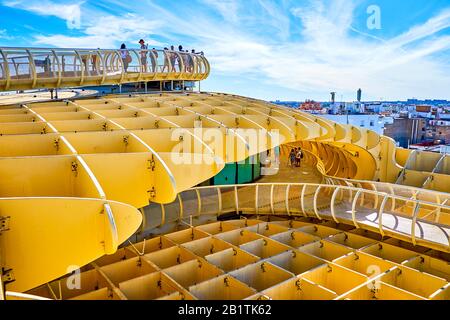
173, 58
166, 60
154, 58
292, 157
298, 158
125, 55
144, 51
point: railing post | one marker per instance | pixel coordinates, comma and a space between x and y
181, 207
414, 221
359, 185
376, 196
144, 219
355, 201
119, 56
288, 188
393, 197
316, 195
163, 215
141, 66
302, 201
272, 207
219, 194
32, 68
6, 68
256, 199
199, 199
333, 200
58, 83
103, 62
236, 199
81, 67
380, 215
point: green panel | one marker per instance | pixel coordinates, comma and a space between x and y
245, 172
226, 176
257, 168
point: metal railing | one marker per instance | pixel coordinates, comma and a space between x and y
394, 189
32, 68
408, 219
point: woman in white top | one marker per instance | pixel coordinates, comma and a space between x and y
125, 55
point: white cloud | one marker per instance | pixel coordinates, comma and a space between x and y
254, 42
4, 35
330, 57
106, 32
71, 13
227, 8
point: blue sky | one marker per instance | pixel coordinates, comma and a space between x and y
269, 49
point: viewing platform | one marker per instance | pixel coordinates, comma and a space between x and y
35, 68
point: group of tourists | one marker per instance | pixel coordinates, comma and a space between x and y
295, 157
172, 58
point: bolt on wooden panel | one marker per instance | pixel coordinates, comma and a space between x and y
382, 291
206, 246
365, 264
170, 257
231, 259
187, 235
299, 289
216, 228
430, 265
264, 248
148, 287
238, 237
351, 240
262, 275
267, 229
335, 278
222, 288
389, 252
296, 262
325, 250
413, 281
319, 231
128, 269
193, 272
294, 239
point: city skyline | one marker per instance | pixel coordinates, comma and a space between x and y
273, 50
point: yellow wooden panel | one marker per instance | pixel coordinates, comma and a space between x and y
47, 236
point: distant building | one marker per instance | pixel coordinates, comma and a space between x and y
333, 97
369, 121
406, 131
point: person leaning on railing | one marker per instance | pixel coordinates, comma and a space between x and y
166, 60
126, 57
154, 59
173, 58
144, 50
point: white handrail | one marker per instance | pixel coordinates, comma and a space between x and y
85, 67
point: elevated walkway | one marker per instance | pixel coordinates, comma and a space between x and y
35, 68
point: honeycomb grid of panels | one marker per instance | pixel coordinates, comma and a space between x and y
167, 111
91, 135
253, 259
